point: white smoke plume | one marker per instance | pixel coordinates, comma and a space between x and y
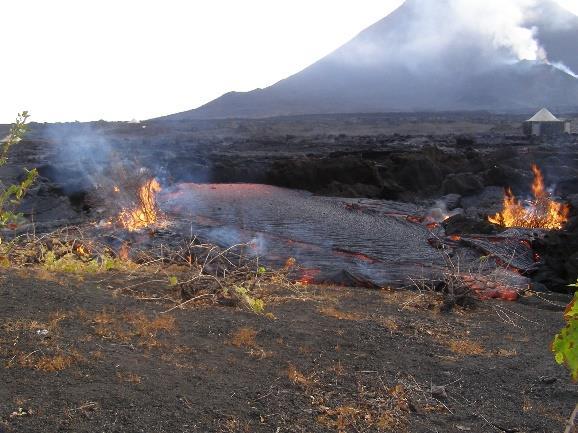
484, 32
502, 23
565, 69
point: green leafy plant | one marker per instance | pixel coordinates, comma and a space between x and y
565, 344
255, 304
72, 264
11, 195
68, 263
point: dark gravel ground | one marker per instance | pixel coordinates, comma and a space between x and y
79, 355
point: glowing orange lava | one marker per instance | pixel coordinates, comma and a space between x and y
308, 276
146, 212
541, 212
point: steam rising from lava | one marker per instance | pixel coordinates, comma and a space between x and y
541, 212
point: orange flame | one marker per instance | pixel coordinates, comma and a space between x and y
542, 212
82, 251
308, 276
146, 212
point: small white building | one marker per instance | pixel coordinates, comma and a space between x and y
545, 123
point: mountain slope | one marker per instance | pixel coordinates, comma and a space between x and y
410, 61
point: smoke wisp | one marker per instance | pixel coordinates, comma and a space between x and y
444, 34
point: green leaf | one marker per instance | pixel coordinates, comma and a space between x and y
261, 270
571, 311
11, 196
240, 290
565, 344
173, 281
257, 305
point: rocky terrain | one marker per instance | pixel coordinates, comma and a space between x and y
465, 170
116, 351
357, 155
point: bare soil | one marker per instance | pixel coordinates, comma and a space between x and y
88, 354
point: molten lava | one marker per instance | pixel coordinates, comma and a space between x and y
308, 276
145, 213
541, 212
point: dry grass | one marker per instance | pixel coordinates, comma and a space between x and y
233, 425
46, 363
151, 327
390, 421
31, 325
338, 369
42, 274
305, 350
466, 347
129, 377
69, 250
130, 327
297, 377
341, 315
57, 362
20, 325
189, 269
507, 353
361, 417
37, 344
346, 400
245, 337
422, 300
97, 355
401, 397
389, 323
340, 418
84, 410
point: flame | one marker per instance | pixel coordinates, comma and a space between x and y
290, 263
541, 212
82, 251
146, 212
308, 276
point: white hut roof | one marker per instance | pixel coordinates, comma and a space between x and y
544, 115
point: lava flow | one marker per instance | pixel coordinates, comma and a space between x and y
146, 212
542, 212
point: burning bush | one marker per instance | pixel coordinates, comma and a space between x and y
144, 212
542, 212
129, 193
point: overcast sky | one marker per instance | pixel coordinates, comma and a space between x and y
67, 60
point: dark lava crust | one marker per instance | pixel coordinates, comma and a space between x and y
467, 159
